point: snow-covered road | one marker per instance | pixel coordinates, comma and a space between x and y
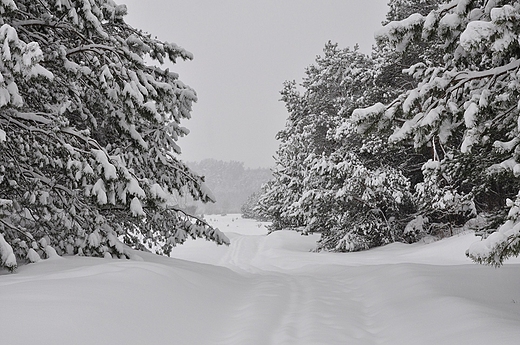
265, 290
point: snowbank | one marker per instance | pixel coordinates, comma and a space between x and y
265, 289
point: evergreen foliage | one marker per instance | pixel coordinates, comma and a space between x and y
328, 178
88, 131
465, 108
249, 208
425, 152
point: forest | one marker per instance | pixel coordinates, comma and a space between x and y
421, 138
232, 184
396, 172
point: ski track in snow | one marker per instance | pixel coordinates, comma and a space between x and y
282, 308
265, 290
369, 306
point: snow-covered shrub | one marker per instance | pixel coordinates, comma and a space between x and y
7, 258
362, 206
501, 244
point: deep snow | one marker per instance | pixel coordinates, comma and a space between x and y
265, 290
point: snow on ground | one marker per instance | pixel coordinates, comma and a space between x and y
265, 290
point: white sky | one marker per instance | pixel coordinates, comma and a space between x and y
243, 52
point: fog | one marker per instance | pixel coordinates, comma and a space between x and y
243, 52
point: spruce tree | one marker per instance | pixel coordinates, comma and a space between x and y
88, 131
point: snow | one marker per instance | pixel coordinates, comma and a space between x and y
204, 189
406, 128
505, 13
359, 116
133, 188
7, 257
94, 239
410, 99
416, 225
5, 202
432, 116
33, 256
450, 21
475, 33
109, 169
136, 207
469, 139
132, 91
51, 253
265, 289
157, 192
99, 189
470, 115
396, 26
5, 97
506, 146
16, 99
429, 23
506, 235
88, 169
9, 4
509, 164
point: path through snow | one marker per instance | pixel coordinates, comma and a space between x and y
265, 290
399, 294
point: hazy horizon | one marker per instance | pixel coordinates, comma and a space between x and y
243, 52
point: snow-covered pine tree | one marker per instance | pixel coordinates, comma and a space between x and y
353, 192
249, 208
280, 194
367, 181
312, 116
328, 179
390, 82
466, 109
88, 131
390, 79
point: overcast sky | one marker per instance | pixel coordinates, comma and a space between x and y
243, 52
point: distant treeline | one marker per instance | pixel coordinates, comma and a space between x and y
231, 183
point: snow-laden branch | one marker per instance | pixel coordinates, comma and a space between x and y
91, 47
25, 234
78, 136
41, 118
464, 77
